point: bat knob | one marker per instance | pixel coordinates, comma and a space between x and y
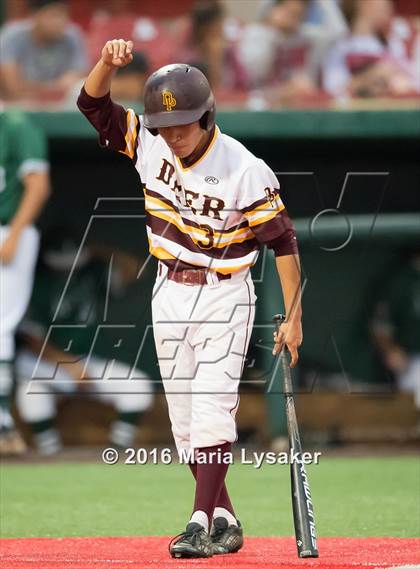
278, 319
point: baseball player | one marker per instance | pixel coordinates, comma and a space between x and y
210, 206
24, 187
69, 358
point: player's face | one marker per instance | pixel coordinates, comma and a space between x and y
183, 139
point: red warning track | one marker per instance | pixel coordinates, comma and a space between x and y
265, 553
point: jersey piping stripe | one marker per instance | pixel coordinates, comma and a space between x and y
172, 206
198, 234
202, 234
226, 264
256, 204
265, 218
136, 142
213, 140
159, 252
231, 251
267, 205
164, 228
276, 206
131, 134
246, 334
159, 208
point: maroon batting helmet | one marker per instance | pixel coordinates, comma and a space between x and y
178, 94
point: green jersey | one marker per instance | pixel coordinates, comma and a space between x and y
23, 150
400, 303
76, 316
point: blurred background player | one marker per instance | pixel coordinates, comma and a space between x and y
42, 57
395, 325
63, 334
24, 188
128, 83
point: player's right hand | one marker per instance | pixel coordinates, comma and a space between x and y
117, 53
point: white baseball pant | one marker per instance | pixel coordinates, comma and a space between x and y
16, 279
202, 335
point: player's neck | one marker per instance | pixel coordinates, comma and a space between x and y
199, 150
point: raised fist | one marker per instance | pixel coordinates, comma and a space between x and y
117, 53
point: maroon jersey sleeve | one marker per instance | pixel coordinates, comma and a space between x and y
265, 212
286, 242
118, 128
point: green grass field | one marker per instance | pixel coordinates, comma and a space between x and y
353, 497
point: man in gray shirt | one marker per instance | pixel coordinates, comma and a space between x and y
41, 58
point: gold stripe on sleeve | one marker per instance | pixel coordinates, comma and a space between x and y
131, 134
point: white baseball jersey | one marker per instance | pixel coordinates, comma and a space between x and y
216, 212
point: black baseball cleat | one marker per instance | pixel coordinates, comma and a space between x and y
226, 538
193, 542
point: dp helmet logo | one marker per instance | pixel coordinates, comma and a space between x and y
169, 100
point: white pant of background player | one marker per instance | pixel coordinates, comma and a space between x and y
126, 389
16, 279
202, 335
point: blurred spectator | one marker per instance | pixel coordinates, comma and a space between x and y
283, 50
150, 36
126, 87
24, 188
41, 58
65, 350
375, 59
128, 82
209, 44
396, 324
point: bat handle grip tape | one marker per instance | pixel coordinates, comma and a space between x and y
278, 320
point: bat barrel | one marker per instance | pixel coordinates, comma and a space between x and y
303, 515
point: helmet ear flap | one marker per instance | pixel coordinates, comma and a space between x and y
153, 131
207, 120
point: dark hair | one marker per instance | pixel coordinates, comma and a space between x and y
283, 1
35, 5
140, 64
203, 14
349, 9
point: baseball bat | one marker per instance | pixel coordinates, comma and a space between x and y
303, 512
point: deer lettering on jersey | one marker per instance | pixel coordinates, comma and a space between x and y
208, 206
212, 206
191, 197
166, 172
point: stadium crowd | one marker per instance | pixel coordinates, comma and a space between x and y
257, 54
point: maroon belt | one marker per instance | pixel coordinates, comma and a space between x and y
193, 276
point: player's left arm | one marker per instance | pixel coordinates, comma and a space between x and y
270, 223
31, 152
288, 268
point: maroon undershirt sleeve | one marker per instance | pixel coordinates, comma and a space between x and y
107, 117
278, 234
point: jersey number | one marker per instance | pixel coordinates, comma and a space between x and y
210, 237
